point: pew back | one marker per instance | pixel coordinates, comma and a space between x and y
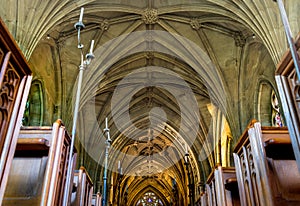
221, 187
260, 157
38, 174
84, 188
210, 188
203, 199
226, 186
288, 87
97, 199
15, 79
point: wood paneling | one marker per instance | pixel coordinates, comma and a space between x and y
221, 188
266, 167
83, 188
15, 79
39, 168
288, 87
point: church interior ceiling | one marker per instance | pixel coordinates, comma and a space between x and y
170, 77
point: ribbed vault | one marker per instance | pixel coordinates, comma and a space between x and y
149, 57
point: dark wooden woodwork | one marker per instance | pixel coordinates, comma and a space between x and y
203, 199
15, 79
266, 168
211, 190
222, 189
83, 194
228, 188
39, 168
288, 87
97, 199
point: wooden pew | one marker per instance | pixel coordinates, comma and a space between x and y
97, 199
222, 187
211, 190
15, 80
202, 200
39, 167
83, 193
266, 168
288, 87
227, 186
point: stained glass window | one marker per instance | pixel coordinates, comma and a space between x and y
276, 116
33, 115
149, 199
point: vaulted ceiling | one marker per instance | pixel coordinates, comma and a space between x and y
161, 73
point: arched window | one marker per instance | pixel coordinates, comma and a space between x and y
33, 115
276, 115
264, 107
149, 199
269, 110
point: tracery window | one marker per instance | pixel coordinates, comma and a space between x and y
33, 115
149, 199
276, 115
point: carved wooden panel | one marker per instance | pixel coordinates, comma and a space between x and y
203, 200
38, 175
211, 190
259, 157
8, 93
221, 187
97, 199
62, 171
288, 87
57, 168
15, 79
226, 186
84, 188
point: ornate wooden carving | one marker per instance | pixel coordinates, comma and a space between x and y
222, 188
97, 199
210, 189
15, 79
260, 156
84, 188
288, 87
39, 169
